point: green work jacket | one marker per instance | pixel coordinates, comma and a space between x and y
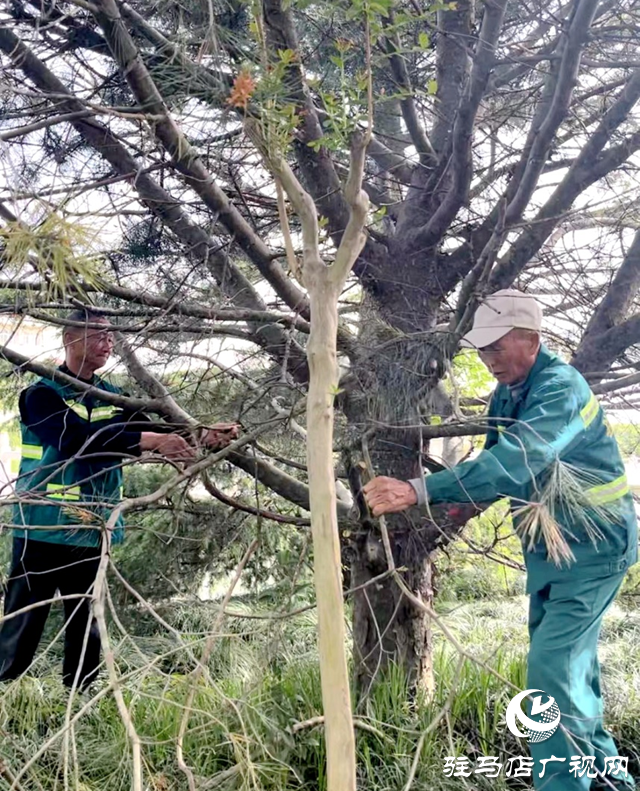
67, 498
552, 425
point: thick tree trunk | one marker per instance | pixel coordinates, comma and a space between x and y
386, 626
397, 385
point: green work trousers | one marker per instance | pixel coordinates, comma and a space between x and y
564, 625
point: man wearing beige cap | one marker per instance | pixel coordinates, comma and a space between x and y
549, 449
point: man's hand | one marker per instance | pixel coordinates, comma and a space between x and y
220, 435
172, 447
389, 496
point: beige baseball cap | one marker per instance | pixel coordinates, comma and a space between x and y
500, 313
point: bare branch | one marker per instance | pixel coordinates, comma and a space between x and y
27, 364
354, 237
462, 134
186, 158
616, 384
611, 312
152, 385
605, 348
585, 171
389, 161
19, 131
204, 660
551, 111
453, 66
508, 77
407, 103
317, 167
280, 482
249, 509
302, 202
159, 201
99, 597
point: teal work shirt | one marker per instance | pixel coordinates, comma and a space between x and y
552, 419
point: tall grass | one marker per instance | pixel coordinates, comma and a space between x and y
264, 680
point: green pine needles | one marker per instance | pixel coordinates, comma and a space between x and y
569, 496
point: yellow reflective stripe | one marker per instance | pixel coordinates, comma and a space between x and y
79, 409
31, 451
104, 412
608, 492
590, 412
61, 492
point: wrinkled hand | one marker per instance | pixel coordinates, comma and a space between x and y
220, 435
388, 495
172, 447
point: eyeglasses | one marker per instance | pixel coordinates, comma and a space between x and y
491, 350
98, 336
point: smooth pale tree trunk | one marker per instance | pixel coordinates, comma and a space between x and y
324, 284
336, 697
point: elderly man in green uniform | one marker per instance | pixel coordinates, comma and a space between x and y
70, 479
547, 435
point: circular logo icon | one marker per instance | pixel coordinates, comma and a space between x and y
543, 720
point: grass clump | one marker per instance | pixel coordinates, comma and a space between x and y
254, 722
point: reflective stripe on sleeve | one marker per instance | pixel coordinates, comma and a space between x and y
31, 451
79, 409
590, 412
104, 412
608, 492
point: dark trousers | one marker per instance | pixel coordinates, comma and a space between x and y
38, 570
